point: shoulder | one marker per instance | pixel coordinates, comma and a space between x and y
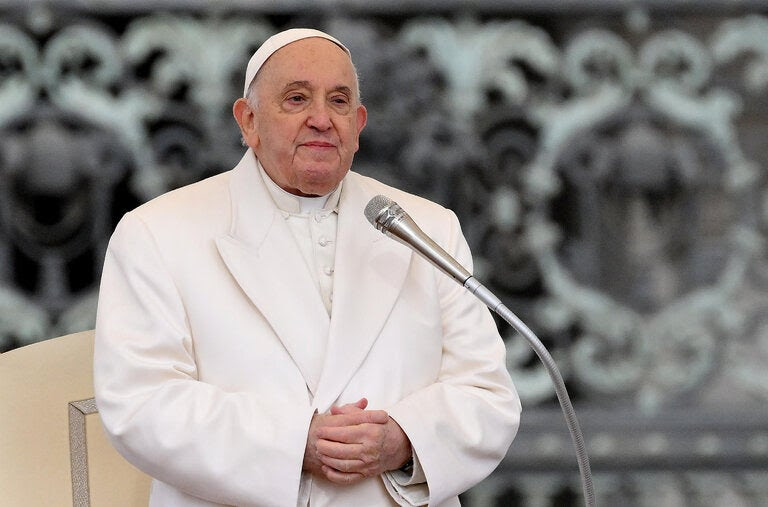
196, 198
198, 209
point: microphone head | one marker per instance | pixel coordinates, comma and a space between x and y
376, 206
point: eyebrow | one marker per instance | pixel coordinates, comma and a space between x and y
306, 84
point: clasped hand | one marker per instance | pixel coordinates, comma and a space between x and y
351, 443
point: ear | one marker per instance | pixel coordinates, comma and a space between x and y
246, 119
362, 119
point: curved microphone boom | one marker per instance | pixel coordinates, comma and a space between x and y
388, 217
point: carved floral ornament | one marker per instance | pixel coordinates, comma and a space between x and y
642, 140
602, 183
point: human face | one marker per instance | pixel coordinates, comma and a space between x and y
305, 129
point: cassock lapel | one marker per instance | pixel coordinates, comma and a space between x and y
262, 255
369, 273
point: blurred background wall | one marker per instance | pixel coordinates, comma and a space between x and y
608, 161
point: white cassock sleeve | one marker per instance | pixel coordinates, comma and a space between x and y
460, 426
220, 446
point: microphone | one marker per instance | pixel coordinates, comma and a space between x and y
392, 220
388, 217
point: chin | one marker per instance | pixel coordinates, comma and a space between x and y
321, 184
316, 191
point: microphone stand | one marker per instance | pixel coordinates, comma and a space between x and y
495, 304
388, 217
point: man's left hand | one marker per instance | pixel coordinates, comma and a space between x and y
352, 453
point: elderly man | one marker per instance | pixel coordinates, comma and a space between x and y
259, 343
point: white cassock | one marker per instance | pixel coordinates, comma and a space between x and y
214, 348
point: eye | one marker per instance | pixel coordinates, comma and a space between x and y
340, 103
296, 99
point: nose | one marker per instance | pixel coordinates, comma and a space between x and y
318, 117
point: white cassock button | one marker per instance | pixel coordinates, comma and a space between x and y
323, 241
328, 271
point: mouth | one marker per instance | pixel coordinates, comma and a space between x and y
318, 145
